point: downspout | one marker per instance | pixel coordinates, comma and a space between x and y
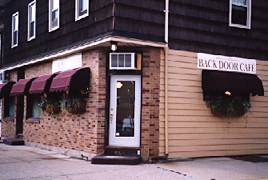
166, 77
113, 14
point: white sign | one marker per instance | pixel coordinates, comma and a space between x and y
224, 63
67, 63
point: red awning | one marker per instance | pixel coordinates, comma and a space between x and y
41, 84
71, 81
5, 88
21, 87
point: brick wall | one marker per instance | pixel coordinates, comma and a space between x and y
8, 128
80, 132
150, 103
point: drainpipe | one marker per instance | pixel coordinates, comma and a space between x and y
166, 20
166, 77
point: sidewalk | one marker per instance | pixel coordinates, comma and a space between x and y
27, 163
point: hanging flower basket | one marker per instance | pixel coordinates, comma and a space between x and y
228, 106
76, 105
50, 106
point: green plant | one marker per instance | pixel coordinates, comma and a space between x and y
76, 105
50, 106
222, 106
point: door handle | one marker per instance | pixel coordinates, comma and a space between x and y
111, 117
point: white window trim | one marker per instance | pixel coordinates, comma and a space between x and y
248, 26
50, 29
28, 33
123, 68
12, 30
77, 17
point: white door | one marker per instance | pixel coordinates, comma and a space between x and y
125, 108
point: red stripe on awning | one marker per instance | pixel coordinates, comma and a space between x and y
71, 80
21, 87
5, 88
41, 84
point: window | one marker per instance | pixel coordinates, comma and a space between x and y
34, 106
122, 61
240, 13
54, 15
9, 107
31, 20
81, 9
15, 30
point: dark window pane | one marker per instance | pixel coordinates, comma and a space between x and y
240, 2
239, 15
15, 37
114, 60
81, 13
121, 60
36, 108
11, 107
54, 18
128, 60
31, 29
82, 7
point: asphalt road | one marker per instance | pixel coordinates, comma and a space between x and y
27, 163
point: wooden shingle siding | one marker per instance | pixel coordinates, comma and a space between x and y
98, 22
194, 25
193, 130
142, 19
203, 26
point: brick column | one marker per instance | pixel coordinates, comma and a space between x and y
150, 103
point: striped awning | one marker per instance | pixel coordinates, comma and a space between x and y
71, 81
21, 87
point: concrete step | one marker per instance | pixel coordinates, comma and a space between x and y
121, 151
14, 141
119, 160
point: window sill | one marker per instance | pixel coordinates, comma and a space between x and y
77, 18
33, 120
248, 27
30, 38
51, 29
14, 45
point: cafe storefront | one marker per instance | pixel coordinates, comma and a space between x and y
149, 102
215, 105
88, 103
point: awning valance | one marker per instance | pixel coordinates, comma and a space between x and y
41, 84
21, 87
5, 88
71, 81
218, 82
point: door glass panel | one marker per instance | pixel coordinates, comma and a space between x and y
125, 108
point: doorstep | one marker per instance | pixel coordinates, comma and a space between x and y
118, 160
14, 141
118, 155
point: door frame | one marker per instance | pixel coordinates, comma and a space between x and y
109, 78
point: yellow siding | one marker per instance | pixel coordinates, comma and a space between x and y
193, 131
